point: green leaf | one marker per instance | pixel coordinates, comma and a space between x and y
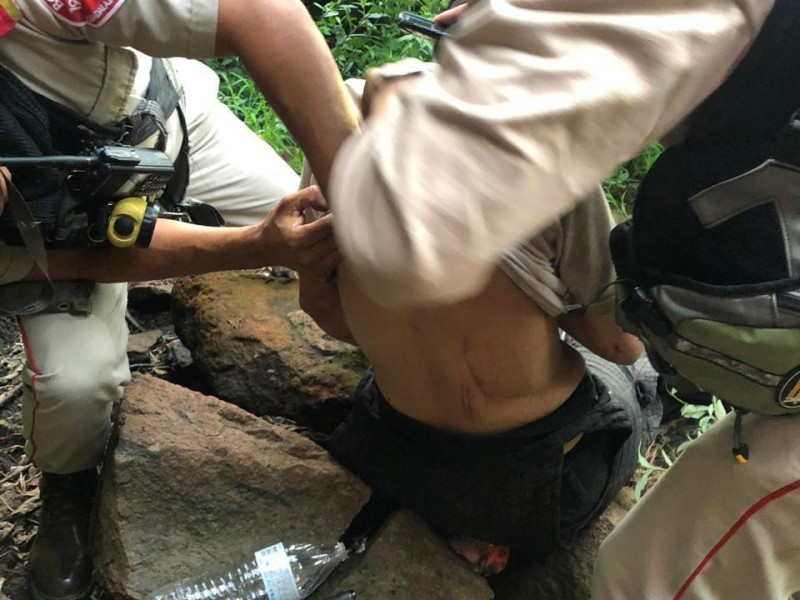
638, 490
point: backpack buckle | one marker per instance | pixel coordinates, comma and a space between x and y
641, 308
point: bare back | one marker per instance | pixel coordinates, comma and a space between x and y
487, 364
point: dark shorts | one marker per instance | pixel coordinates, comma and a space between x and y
516, 488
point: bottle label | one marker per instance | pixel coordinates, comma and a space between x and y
273, 563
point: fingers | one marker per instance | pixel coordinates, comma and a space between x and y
316, 231
384, 82
311, 248
451, 15
308, 248
371, 84
317, 260
309, 197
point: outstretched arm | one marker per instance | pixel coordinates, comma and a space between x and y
292, 66
179, 249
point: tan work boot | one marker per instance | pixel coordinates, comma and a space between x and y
59, 566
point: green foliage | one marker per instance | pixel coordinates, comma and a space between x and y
363, 34
237, 90
620, 188
650, 468
649, 471
705, 415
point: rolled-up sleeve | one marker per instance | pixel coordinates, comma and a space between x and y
584, 262
165, 28
186, 28
531, 104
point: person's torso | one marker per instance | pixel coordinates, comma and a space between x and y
488, 364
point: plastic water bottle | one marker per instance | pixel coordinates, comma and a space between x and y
274, 573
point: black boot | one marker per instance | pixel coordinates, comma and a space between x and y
59, 566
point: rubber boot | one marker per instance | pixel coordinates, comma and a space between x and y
59, 566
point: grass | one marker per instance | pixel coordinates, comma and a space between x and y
658, 458
620, 188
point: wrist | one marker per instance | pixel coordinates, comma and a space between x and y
255, 243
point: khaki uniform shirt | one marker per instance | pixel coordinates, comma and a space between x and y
568, 263
95, 57
531, 104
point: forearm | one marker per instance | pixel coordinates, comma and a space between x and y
292, 66
530, 106
601, 334
177, 249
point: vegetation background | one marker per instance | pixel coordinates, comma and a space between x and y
363, 34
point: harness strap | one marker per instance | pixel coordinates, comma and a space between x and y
152, 113
31, 234
176, 188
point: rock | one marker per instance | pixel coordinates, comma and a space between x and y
192, 483
178, 354
140, 344
259, 351
565, 574
150, 296
406, 561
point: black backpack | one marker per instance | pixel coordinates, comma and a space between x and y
709, 264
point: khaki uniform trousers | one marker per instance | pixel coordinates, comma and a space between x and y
711, 528
77, 365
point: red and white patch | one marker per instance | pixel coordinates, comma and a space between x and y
84, 12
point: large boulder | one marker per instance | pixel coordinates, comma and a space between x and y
258, 350
191, 483
406, 561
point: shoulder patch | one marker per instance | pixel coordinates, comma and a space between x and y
9, 15
84, 12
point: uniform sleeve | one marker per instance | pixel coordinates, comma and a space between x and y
532, 103
584, 264
159, 28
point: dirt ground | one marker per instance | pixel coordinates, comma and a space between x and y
19, 488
